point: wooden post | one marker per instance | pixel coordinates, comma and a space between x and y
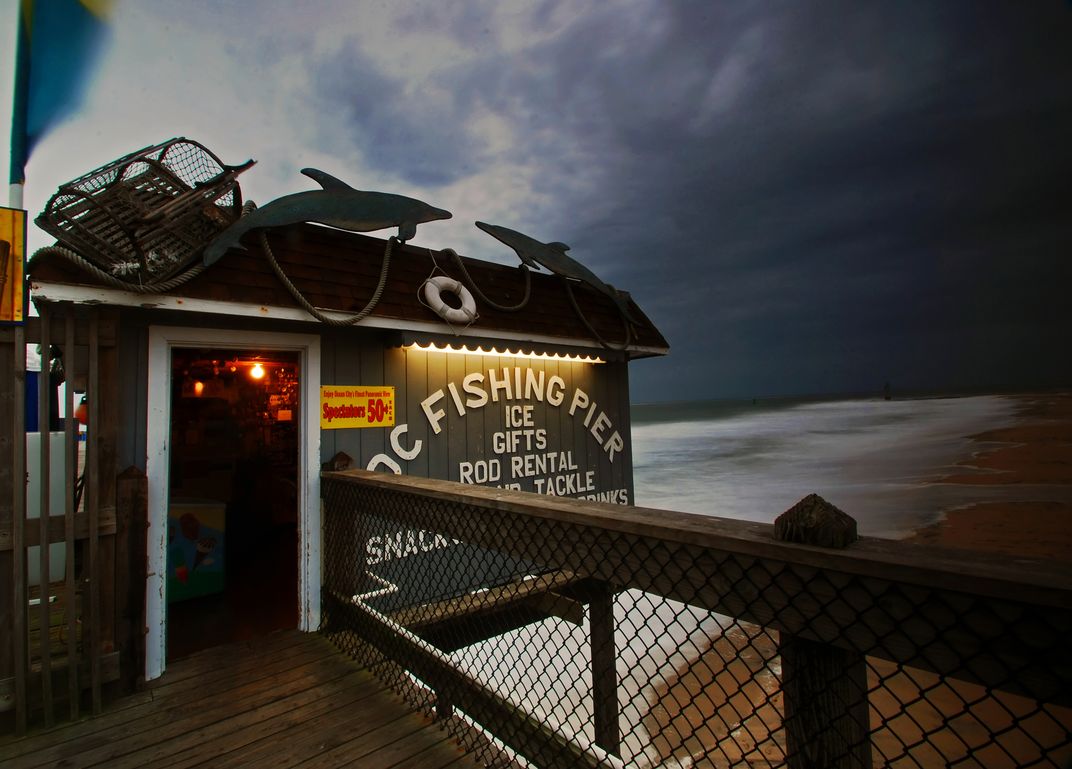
131, 523
70, 442
18, 525
827, 724
44, 510
604, 671
92, 495
110, 598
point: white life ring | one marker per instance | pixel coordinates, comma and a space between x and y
433, 289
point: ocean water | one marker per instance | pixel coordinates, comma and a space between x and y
877, 460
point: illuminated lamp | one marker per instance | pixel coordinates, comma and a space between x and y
257, 372
497, 353
199, 388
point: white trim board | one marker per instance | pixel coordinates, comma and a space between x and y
162, 340
63, 292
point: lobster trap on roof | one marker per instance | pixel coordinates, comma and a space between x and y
145, 217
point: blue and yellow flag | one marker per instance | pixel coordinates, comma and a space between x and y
58, 43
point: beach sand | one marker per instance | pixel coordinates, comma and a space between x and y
724, 708
1035, 451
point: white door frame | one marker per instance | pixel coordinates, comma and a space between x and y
162, 340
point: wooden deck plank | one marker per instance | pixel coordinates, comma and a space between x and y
172, 694
222, 729
444, 752
351, 750
292, 701
313, 740
236, 657
167, 724
430, 742
242, 670
265, 734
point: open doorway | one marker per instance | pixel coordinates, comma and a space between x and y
233, 496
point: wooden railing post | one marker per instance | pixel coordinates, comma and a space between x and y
604, 671
827, 724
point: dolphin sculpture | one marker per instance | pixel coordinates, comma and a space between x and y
553, 256
337, 205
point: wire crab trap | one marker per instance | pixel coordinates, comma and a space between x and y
145, 217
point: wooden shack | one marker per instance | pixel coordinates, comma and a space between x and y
231, 398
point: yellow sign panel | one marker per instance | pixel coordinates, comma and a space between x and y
347, 406
12, 255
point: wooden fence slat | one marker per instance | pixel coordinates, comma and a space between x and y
109, 672
131, 504
109, 590
44, 398
18, 527
92, 508
70, 465
7, 449
107, 333
57, 529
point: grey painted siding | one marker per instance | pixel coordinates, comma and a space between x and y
373, 358
475, 443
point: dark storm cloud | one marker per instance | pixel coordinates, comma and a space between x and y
804, 197
887, 199
423, 141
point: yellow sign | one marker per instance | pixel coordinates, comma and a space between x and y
347, 406
12, 254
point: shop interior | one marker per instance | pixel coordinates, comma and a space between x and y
232, 566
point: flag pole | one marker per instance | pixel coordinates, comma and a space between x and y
10, 18
18, 44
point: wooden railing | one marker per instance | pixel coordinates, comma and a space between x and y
61, 641
767, 652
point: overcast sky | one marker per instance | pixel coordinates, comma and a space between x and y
805, 197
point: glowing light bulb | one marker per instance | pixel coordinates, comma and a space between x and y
465, 350
257, 372
199, 387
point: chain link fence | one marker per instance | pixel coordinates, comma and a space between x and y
557, 633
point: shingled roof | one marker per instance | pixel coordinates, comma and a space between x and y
338, 271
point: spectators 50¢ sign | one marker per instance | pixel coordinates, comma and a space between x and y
349, 406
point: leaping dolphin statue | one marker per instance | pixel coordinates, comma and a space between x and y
553, 256
336, 205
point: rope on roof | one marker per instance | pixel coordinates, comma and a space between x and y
112, 280
591, 329
349, 320
483, 297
